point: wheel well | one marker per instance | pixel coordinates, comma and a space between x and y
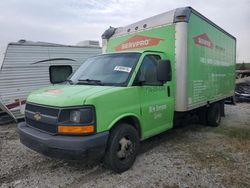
132, 121
221, 104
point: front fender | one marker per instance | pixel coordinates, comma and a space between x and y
113, 123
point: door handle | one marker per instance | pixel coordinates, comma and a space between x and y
168, 88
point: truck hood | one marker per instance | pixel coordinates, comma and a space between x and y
65, 95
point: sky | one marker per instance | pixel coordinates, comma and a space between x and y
71, 21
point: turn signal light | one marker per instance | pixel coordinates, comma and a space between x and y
76, 129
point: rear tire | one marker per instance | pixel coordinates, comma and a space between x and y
214, 115
202, 114
122, 148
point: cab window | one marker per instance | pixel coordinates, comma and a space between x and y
148, 70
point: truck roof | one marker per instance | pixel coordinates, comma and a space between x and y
170, 17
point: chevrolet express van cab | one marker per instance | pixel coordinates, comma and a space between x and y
151, 73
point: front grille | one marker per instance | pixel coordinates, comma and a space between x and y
48, 117
42, 126
42, 109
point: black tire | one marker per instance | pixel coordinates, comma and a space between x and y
122, 148
202, 115
214, 115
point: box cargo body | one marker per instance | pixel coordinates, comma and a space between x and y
26, 67
202, 54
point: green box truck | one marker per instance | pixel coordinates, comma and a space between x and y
152, 73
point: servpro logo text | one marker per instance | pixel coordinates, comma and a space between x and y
136, 44
203, 40
138, 41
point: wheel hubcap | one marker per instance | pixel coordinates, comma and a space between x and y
126, 148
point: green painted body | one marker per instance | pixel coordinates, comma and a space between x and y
151, 105
211, 71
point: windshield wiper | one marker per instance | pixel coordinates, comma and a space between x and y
69, 81
90, 81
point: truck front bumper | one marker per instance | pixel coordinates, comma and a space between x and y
63, 147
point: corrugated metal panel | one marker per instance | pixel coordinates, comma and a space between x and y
20, 73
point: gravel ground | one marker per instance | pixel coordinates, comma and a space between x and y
191, 156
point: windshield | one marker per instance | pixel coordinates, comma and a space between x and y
107, 69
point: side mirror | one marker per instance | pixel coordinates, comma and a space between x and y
164, 71
59, 73
140, 78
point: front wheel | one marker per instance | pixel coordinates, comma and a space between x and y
122, 148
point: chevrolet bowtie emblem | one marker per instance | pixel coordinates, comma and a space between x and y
37, 116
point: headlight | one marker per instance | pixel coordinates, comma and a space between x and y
77, 120
75, 116
81, 115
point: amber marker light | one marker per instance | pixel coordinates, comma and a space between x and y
76, 129
182, 18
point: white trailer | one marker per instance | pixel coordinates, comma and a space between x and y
28, 66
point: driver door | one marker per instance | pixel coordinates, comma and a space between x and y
156, 102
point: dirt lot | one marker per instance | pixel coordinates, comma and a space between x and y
191, 156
